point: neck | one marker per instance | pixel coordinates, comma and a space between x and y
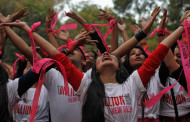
108, 77
136, 67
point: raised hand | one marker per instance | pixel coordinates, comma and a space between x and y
76, 17
146, 25
164, 20
185, 16
134, 29
121, 27
105, 15
51, 14
82, 38
63, 35
4, 19
21, 13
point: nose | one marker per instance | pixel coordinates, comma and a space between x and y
105, 53
138, 54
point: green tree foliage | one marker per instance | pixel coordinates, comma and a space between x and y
38, 11
176, 9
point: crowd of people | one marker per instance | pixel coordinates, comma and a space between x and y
70, 84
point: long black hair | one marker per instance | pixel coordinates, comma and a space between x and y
93, 106
5, 116
126, 63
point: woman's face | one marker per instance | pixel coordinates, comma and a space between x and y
177, 56
136, 58
107, 60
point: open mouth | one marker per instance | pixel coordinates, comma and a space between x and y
106, 57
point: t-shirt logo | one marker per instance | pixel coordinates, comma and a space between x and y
128, 99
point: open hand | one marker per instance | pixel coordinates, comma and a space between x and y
63, 35
21, 13
82, 38
134, 29
164, 20
146, 25
4, 19
51, 14
105, 15
121, 27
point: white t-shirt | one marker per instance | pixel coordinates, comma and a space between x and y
22, 110
12, 92
63, 108
153, 88
181, 97
121, 99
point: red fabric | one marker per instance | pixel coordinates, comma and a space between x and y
147, 70
74, 76
87, 27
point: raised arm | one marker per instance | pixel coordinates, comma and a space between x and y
128, 45
114, 34
122, 29
147, 70
2, 39
51, 37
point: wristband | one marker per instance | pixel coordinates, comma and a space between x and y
140, 35
87, 27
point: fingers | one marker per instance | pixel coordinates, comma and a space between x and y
156, 12
143, 19
103, 11
122, 20
134, 28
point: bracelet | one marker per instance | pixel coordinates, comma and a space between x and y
87, 27
140, 35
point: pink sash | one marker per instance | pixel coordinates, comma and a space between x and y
40, 67
160, 31
185, 53
63, 27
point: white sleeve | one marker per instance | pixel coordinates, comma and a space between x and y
51, 77
12, 92
86, 80
134, 83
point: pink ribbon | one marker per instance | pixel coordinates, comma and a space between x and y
156, 98
184, 46
110, 29
0, 52
146, 49
160, 31
54, 21
41, 66
185, 52
14, 64
63, 27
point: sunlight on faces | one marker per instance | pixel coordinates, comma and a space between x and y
136, 57
107, 60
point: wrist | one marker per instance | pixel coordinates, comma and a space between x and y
140, 35
26, 28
